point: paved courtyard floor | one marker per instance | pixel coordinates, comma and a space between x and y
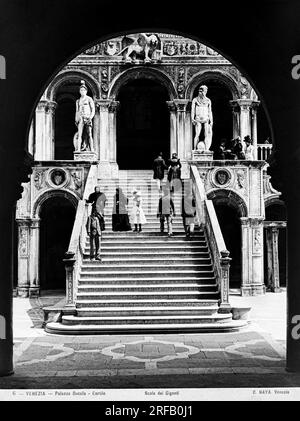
251, 357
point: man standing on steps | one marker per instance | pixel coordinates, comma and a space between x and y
166, 211
159, 167
94, 232
188, 210
98, 200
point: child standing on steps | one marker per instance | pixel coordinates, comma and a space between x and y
137, 214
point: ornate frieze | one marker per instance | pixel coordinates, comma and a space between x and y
104, 81
70, 178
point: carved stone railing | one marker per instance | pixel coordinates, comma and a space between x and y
220, 255
74, 256
264, 150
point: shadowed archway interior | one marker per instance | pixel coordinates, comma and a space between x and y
57, 219
231, 229
143, 124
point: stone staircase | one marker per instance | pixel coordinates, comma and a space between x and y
146, 281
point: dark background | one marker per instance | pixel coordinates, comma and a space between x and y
38, 37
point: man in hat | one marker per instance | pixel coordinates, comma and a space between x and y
98, 200
94, 232
202, 115
85, 111
159, 167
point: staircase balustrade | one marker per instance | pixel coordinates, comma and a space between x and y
74, 256
208, 220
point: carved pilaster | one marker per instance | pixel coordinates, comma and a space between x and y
225, 267
69, 266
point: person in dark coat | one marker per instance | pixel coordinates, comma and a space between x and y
220, 151
98, 201
239, 148
94, 232
166, 211
159, 167
120, 219
188, 210
174, 173
230, 148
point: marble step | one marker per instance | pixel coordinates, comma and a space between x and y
91, 329
168, 319
147, 303
117, 288
167, 261
153, 254
141, 280
150, 295
145, 311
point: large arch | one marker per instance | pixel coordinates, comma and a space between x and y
29, 81
72, 75
230, 198
223, 78
145, 73
50, 194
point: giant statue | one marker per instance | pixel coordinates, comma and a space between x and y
202, 116
139, 45
85, 111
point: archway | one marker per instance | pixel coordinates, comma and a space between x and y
57, 218
143, 124
220, 95
229, 221
230, 207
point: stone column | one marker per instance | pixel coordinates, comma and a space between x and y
113, 108
245, 122
23, 256
254, 107
104, 138
269, 259
244, 253
173, 127
275, 285
181, 106
252, 256
44, 130
235, 108
225, 260
96, 130
34, 282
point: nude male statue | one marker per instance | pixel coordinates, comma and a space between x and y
202, 115
85, 111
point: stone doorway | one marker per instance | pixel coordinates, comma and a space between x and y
229, 221
57, 220
143, 124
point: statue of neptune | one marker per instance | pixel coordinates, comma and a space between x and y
202, 115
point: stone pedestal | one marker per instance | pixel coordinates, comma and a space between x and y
252, 257
85, 156
198, 155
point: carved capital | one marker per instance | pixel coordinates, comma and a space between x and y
171, 106
181, 104
46, 106
244, 221
113, 106
102, 105
255, 222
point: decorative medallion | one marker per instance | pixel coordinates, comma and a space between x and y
57, 177
222, 177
